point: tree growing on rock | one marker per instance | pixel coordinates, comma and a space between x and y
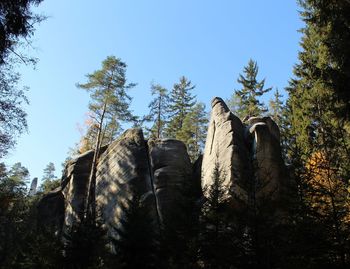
158, 110
110, 101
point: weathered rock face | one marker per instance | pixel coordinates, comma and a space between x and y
227, 149
124, 173
270, 172
74, 189
172, 173
51, 210
159, 174
247, 155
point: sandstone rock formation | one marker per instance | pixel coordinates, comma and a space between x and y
247, 155
160, 175
227, 149
124, 173
158, 172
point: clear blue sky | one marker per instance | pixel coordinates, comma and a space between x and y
207, 41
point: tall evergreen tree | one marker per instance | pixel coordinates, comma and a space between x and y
49, 179
194, 130
136, 243
158, 110
252, 89
319, 137
181, 102
276, 107
109, 101
331, 22
218, 241
49, 172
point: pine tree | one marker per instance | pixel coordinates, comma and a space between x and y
49, 172
180, 103
49, 180
109, 101
194, 130
136, 241
319, 137
276, 107
216, 234
331, 22
252, 90
158, 110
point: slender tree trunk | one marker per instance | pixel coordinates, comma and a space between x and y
159, 123
90, 202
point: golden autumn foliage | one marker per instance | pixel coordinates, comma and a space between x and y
328, 194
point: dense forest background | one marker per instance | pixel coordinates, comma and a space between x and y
314, 121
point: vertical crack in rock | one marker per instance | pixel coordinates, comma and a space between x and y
151, 174
123, 175
172, 172
248, 155
160, 174
228, 151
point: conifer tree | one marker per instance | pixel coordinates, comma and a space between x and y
109, 101
194, 130
180, 103
319, 137
49, 172
158, 110
252, 89
216, 234
276, 107
49, 180
331, 22
136, 240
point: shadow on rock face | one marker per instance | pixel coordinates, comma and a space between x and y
248, 156
159, 174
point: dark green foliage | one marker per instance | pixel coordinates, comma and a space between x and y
276, 107
12, 115
194, 130
179, 237
245, 101
317, 132
16, 21
215, 242
181, 102
49, 180
85, 246
158, 110
108, 90
187, 119
109, 104
49, 172
136, 241
22, 243
330, 21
